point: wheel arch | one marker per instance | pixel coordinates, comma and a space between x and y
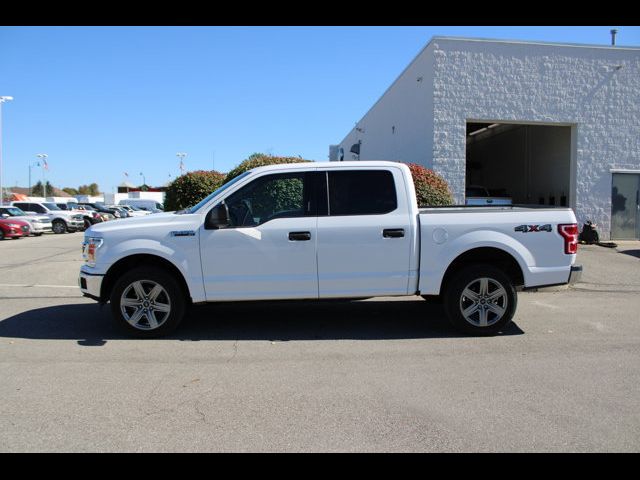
490, 255
138, 260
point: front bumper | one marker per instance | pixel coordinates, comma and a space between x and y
15, 233
90, 284
41, 227
75, 224
576, 274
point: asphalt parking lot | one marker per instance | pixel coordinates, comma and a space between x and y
308, 376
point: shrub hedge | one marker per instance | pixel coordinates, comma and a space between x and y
260, 160
188, 189
431, 188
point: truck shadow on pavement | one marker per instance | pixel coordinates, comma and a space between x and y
91, 325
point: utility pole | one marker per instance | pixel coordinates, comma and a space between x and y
2, 100
181, 156
43, 157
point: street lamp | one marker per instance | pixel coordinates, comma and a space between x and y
31, 165
43, 159
2, 100
144, 182
181, 156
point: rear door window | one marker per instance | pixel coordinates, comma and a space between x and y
361, 192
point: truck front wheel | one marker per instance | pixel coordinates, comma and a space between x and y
480, 300
147, 302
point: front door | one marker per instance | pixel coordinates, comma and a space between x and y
269, 249
625, 206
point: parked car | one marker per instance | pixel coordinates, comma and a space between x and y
61, 221
479, 195
124, 213
104, 215
327, 230
90, 216
11, 228
144, 204
38, 224
135, 211
102, 209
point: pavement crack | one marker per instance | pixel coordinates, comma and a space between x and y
235, 351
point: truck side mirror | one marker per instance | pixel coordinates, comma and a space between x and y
218, 217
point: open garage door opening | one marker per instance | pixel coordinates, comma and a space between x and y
528, 164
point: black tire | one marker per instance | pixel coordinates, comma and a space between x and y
1, 235
87, 223
38, 234
482, 309
59, 226
172, 296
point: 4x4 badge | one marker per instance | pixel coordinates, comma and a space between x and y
533, 228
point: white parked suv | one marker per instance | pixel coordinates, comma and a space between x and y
39, 223
326, 230
61, 221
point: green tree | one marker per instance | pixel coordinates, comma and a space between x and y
94, 189
188, 189
38, 191
71, 191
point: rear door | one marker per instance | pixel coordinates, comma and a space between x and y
364, 234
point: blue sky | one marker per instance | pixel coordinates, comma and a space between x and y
101, 101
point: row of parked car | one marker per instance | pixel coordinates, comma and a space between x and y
21, 219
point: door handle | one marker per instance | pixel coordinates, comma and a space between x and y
393, 232
299, 236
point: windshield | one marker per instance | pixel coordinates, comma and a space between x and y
51, 206
13, 211
203, 202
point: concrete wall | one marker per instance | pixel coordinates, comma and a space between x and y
546, 84
399, 126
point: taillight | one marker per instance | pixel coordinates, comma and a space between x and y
569, 232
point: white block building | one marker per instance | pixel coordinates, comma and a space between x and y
542, 123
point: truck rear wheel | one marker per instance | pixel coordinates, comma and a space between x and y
147, 302
480, 299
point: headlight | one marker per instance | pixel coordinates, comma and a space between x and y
89, 248
13, 225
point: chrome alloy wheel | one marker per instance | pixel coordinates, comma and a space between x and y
145, 304
483, 302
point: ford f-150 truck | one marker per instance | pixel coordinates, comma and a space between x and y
326, 230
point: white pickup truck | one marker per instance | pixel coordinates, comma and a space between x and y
326, 230
61, 221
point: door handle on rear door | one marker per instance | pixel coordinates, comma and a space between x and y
299, 236
393, 232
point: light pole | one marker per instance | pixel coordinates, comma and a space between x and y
31, 165
181, 156
43, 158
2, 100
144, 182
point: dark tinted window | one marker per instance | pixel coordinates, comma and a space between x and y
361, 192
35, 207
22, 206
268, 198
